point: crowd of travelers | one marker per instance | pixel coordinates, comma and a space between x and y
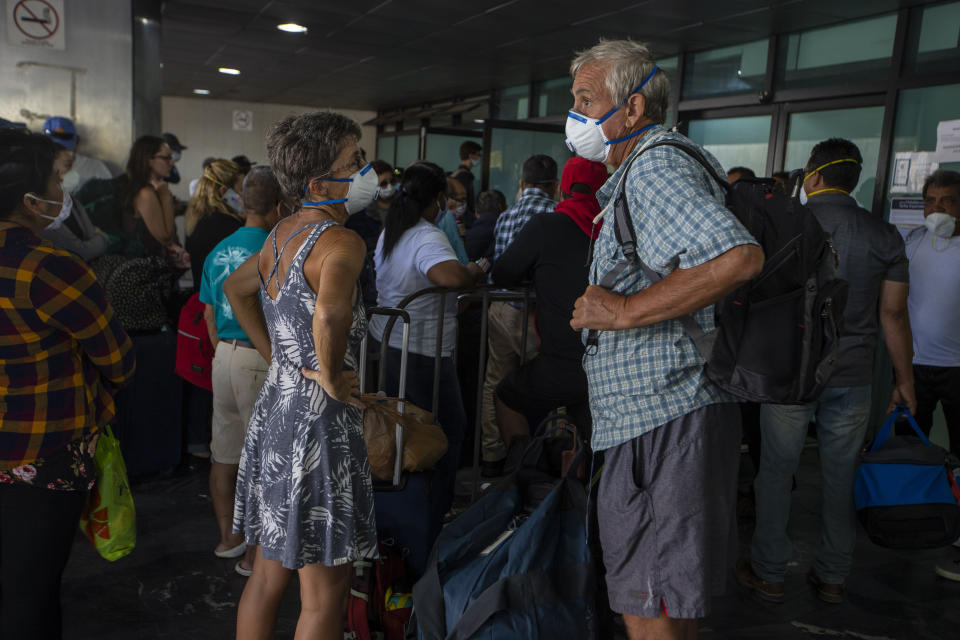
285, 258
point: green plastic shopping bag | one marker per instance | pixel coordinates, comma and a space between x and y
108, 519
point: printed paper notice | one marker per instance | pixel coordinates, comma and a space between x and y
910, 169
948, 141
906, 214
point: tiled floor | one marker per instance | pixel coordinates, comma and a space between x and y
172, 586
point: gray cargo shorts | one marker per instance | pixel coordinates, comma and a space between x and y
667, 514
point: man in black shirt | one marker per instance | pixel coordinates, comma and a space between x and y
552, 250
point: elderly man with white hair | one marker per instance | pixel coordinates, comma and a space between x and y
670, 437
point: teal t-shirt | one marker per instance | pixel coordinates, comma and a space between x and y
448, 224
220, 263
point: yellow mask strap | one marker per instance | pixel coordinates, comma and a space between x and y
843, 191
807, 177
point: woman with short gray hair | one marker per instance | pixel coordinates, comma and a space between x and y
304, 492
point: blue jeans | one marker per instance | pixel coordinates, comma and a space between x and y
842, 414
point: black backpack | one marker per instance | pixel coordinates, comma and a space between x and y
100, 197
777, 336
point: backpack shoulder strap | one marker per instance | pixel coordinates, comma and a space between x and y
627, 239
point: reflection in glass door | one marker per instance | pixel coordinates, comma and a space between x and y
735, 142
862, 126
443, 149
510, 147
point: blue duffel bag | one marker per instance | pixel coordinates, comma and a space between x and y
905, 492
496, 572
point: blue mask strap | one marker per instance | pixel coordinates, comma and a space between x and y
634, 134
306, 186
642, 85
322, 202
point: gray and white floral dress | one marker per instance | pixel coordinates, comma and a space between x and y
304, 492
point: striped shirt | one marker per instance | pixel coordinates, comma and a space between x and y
62, 352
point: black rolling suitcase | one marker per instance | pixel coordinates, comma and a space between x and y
148, 420
405, 507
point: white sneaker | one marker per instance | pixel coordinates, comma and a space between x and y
949, 570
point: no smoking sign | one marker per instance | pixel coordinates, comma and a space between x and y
36, 23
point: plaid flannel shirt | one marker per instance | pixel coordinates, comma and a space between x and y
62, 351
642, 378
531, 202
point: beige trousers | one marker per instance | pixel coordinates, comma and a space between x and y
504, 329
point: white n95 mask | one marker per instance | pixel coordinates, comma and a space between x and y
941, 225
585, 136
361, 192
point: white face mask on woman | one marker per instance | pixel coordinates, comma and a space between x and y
942, 225
65, 207
363, 189
233, 201
387, 192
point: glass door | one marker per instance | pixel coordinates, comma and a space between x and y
443, 148
741, 141
861, 125
510, 144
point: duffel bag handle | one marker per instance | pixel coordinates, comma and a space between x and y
900, 411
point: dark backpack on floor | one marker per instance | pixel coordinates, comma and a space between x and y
515, 564
777, 336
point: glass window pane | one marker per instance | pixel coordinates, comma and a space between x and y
934, 41
861, 126
408, 148
386, 149
509, 149
441, 120
918, 113
727, 71
476, 115
833, 54
444, 150
553, 97
515, 103
735, 142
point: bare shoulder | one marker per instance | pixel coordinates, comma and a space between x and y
337, 246
342, 243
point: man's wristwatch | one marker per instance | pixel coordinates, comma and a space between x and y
483, 263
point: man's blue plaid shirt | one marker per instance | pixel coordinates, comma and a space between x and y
643, 378
531, 202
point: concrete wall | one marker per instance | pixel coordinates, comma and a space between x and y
206, 127
99, 45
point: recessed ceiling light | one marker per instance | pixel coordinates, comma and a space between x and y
202, 92
229, 71
292, 27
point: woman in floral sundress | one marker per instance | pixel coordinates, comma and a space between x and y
304, 493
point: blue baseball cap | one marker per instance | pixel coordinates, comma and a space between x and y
62, 131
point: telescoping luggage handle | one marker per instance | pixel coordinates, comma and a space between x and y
900, 411
402, 390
